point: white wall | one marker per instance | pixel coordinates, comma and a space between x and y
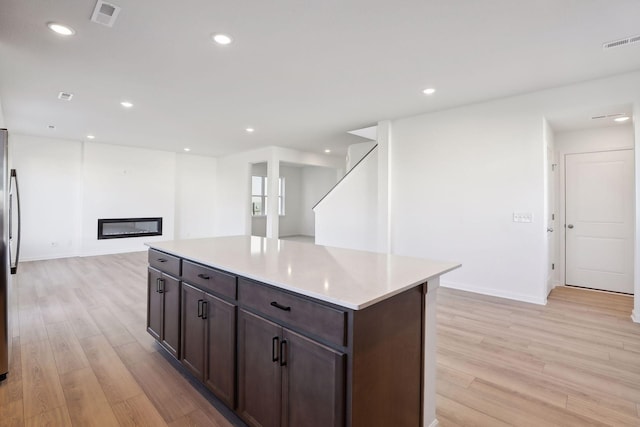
195, 196
65, 186
618, 137
290, 222
355, 152
233, 216
126, 182
596, 139
348, 216
458, 178
316, 183
50, 178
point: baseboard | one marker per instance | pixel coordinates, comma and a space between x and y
634, 316
73, 255
493, 292
434, 423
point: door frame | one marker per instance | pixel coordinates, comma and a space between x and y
561, 191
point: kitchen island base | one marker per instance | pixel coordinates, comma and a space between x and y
278, 357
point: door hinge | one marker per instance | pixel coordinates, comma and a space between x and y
553, 266
553, 217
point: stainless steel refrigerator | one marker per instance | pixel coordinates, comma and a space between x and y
9, 249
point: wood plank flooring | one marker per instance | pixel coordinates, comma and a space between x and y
81, 356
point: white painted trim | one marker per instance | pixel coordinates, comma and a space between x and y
434, 423
494, 292
635, 316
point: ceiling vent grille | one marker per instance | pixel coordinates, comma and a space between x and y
608, 116
105, 13
65, 96
622, 42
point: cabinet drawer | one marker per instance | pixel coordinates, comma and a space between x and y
307, 315
164, 262
209, 279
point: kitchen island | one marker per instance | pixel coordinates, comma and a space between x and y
294, 334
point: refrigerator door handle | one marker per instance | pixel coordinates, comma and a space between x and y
14, 184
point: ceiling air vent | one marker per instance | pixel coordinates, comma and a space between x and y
65, 96
621, 42
105, 13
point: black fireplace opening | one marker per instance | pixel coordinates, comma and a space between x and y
119, 228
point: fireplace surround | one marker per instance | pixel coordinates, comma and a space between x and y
119, 228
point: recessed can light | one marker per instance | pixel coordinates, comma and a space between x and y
250, 130
63, 30
187, 149
91, 137
222, 39
621, 119
429, 91
126, 104
327, 151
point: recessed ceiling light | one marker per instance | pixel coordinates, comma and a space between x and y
187, 149
327, 151
91, 137
126, 104
63, 30
250, 130
621, 119
222, 39
429, 91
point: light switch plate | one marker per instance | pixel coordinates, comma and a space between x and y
522, 217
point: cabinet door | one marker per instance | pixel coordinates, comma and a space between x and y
221, 348
259, 372
193, 327
154, 304
171, 315
313, 383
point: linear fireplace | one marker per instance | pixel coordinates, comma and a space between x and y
118, 228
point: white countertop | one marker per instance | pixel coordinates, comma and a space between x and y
349, 278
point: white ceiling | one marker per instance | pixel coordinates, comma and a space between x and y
302, 73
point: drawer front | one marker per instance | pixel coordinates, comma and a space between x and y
209, 279
307, 315
164, 262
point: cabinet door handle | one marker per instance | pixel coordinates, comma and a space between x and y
160, 286
274, 349
204, 276
205, 306
280, 306
283, 353
200, 301
162, 260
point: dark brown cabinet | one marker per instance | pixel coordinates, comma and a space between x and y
163, 310
282, 359
208, 341
287, 379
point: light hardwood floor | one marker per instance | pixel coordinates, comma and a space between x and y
82, 357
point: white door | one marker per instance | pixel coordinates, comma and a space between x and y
599, 220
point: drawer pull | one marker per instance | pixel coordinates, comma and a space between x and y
162, 260
280, 306
274, 349
205, 309
200, 301
204, 276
